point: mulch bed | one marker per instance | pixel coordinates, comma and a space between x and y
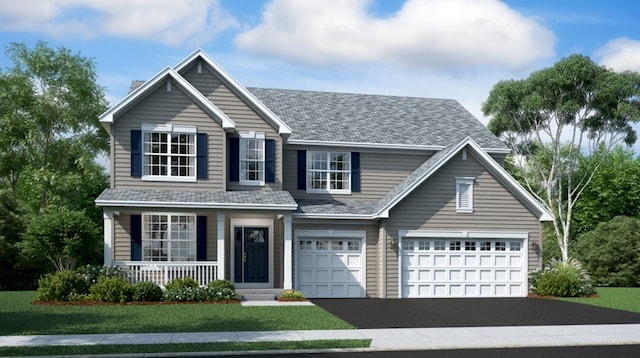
136, 303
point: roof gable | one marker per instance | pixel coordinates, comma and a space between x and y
145, 89
438, 160
237, 88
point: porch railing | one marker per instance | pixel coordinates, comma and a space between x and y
162, 272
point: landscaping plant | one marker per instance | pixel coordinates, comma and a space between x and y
111, 289
562, 279
60, 286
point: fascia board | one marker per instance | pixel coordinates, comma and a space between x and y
283, 128
362, 145
333, 216
192, 92
183, 205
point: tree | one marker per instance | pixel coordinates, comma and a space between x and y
64, 237
12, 225
47, 98
611, 252
560, 114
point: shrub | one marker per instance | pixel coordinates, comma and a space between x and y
186, 294
180, 283
292, 295
111, 289
60, 285
221, 284
91, 273
562, 279
146, 291
221, 290
611, 252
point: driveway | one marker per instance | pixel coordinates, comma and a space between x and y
469, 312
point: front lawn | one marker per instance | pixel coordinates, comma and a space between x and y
20, 317
621, 298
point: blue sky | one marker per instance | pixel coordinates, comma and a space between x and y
428, 48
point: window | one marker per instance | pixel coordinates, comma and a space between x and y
501, 246
454, 245
439, 245
168, 237
485, 246
464, 195
252, 158
329, 172
169, 152
423, 245
515, 246
470, 246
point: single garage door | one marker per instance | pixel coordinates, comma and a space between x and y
330, 266
463, 267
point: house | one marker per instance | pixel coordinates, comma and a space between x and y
333, 194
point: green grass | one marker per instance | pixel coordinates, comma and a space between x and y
20, 317
183, 347
621, 298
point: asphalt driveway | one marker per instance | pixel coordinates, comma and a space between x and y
469, 312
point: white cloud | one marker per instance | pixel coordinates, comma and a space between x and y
189, 22
621, 54
423, 33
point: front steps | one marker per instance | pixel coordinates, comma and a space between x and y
259, 294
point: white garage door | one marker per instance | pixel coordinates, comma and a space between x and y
463, 267
330, 267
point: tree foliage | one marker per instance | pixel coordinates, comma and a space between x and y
611, 252
555, 120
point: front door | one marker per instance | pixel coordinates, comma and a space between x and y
251, 256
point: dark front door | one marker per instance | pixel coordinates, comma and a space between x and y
251, 256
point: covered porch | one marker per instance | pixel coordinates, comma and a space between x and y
159, 235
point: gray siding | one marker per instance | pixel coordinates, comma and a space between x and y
371, 228
380, 171
161, 107
432, 207
245, 117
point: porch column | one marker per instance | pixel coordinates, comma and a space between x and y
107, 219
220, 246
288, 252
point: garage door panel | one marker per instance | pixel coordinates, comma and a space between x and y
463, 268
330, 267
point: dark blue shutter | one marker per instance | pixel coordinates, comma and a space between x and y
201, 154
270, 161
302, 170
355, 172
136, 238
136, 153
201, 247
234, 159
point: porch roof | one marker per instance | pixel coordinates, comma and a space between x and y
331, 208
251, 199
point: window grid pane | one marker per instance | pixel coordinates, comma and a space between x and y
329, 171
252, 160
176, 158
169, 238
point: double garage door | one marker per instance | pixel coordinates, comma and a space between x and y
331, 265
435, 267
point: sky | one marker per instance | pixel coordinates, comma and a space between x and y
454, 49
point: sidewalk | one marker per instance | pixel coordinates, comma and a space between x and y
382, 339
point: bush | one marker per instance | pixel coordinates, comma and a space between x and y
221, 284
111, 289
292, 295
562, 279
91, 273
146, 291
187, 294
180, 283
221, 290
611, 252
60, 285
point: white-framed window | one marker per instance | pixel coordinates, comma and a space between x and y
329, 172
169, 152
252, 157
168, 237
464, 195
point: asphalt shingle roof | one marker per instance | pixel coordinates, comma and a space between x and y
337, 207
205, 198
363, 118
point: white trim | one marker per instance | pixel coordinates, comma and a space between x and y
280, 125
183, 205
287, 282
220, 254
328, 171
331, 233
324, 143
251, 223
468, 182
511, 183
107, 222
168, 73
335, 216
257, 136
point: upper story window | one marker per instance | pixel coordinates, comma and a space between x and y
252, 158
329, 172
168, 237
464, 195
169, 152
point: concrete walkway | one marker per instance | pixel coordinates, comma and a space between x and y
382, 339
